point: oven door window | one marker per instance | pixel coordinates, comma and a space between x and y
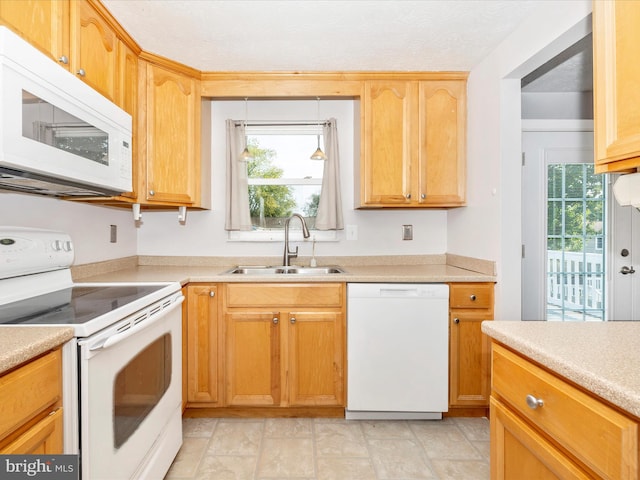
139, 386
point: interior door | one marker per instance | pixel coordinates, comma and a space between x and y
625, 252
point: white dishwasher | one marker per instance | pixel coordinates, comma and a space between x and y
397, 350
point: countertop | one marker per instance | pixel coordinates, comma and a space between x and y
368, 273
21, 344
602, 357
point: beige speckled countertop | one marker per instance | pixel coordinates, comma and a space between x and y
20, 344
427, 269
602, 357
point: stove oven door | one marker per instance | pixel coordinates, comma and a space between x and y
130, 397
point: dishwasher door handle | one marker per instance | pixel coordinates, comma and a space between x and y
399, 292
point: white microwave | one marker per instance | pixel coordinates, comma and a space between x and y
58, 136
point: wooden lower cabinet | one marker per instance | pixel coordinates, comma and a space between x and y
285, 345
522, 453
204, 347
568, 433
253, 358
31, 407
469, 349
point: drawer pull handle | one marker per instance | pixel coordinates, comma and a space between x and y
473, 298
534, 402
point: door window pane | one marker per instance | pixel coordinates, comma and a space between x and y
575, 238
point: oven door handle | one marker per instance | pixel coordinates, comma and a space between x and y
119, 337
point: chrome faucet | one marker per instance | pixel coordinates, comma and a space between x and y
288, 255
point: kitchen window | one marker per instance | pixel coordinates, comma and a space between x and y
282, 177
278, 178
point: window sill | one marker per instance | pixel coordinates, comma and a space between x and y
278, 236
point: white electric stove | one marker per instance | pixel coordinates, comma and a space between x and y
122, 370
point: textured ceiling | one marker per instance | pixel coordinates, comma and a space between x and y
321, 35
342, 35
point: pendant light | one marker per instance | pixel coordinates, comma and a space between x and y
318, 154
246, 156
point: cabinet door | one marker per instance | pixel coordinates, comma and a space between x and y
442, 153
43, 23
172, 143
316, 358
94, 49
127, 99
469, 383
43, 438
203, 345
386, 168
252, 354
518, 451
616, 49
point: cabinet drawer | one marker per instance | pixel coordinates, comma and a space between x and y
471, 295
284, 295
603, 439
29, 390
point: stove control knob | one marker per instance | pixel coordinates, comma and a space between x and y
68, 246
57, 245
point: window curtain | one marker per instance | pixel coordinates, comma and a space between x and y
238, 216
329, 216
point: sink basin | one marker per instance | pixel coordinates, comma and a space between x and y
281, 270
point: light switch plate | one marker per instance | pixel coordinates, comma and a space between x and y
407, 232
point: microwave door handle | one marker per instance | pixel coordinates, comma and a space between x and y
119, 337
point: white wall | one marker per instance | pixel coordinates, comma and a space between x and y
88, 225
379, 231
490, 226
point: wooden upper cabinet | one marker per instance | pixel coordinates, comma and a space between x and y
387, 143
170, 115
127, 99
616, 50
43, 23
442, 152
414, 149
94, 49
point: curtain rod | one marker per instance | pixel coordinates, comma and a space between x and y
280, 123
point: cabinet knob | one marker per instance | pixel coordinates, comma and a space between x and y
81, 72
275, 320
408, 195
534, 402
292, 320
152, 192
423, 196
63, 59
212, 293
456, 321
473, 298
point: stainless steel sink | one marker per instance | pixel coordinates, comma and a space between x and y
281, 270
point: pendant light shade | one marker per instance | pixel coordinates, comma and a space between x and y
245, 156
318, 154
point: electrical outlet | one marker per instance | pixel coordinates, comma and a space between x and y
407, 232
113, 233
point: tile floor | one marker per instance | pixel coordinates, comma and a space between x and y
332, 449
